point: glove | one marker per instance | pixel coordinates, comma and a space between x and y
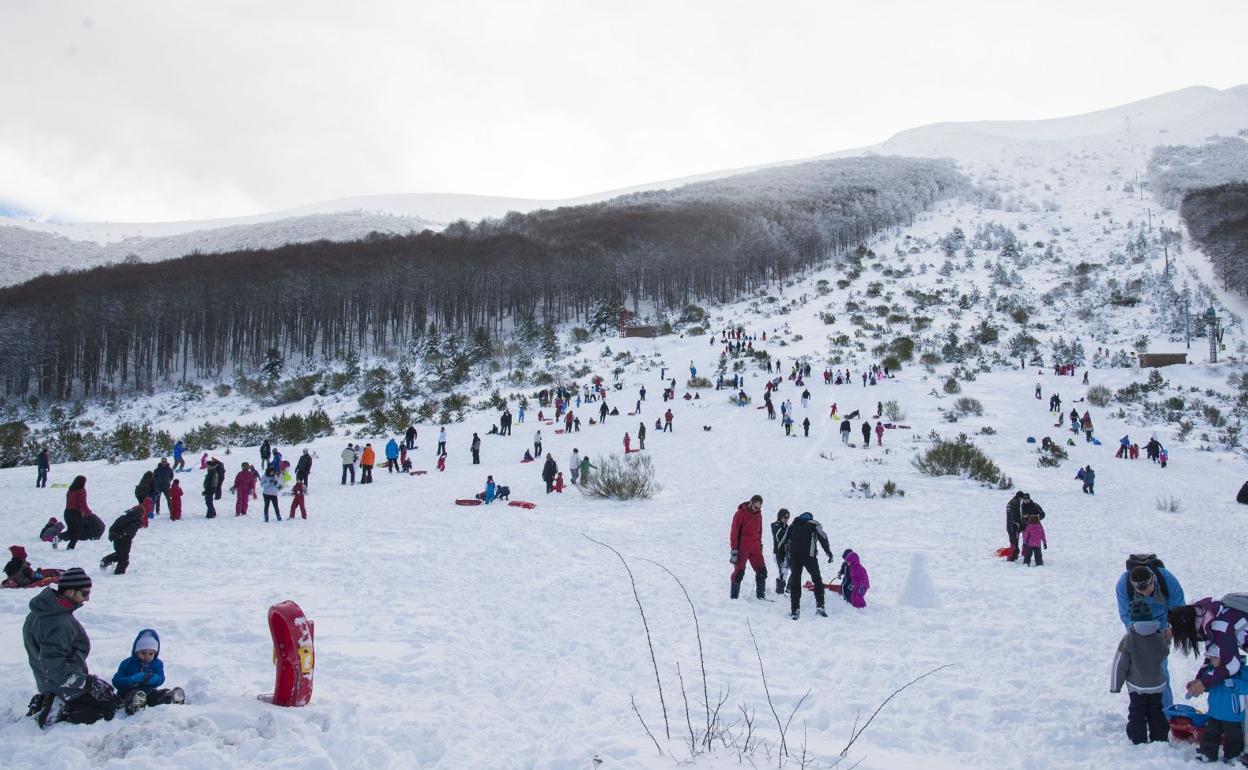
1046, 546
829, 558
733, 558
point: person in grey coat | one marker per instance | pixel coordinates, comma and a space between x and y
57, 647
1140, 664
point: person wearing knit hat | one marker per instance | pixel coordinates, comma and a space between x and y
1145, 578
1140, 666
57, 647
19, 570
139, 675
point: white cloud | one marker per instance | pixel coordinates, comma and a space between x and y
173, 110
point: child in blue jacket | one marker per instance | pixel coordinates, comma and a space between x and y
139, 675
1225, 727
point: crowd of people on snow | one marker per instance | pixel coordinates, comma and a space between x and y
1151, 602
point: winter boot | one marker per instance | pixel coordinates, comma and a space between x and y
820, 611
36, 705
736, 589
136, 702
50, 713
795, 614
760, 587
177, 696
779, 585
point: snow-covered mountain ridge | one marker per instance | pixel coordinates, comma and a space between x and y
1187, 115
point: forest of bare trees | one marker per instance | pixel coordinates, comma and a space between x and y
136, 326
1217, 219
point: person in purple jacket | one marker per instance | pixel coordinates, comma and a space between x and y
854, 580
1222, 626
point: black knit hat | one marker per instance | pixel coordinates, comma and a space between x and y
74, 578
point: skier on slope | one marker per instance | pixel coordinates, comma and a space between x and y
803, 540
746, 541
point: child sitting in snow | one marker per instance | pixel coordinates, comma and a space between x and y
1140, 664
19, 570
51, 530
139, 675
854, 580
1225, 727
1033, 538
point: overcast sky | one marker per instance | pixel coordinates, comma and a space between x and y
150, 110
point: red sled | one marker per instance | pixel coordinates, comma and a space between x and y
50, 576
809, 585
473, 501
527, 460
522, 504
558, 431
1006, 552
293, 654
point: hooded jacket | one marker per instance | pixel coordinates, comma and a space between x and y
1225, 631
57, 646
368, 456
1140, 660
804, 539
747, 529
778, 530
134, 673
127, 525
304, 466
392, 450
270, 484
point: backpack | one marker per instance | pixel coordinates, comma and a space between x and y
1154, 564
1236, 601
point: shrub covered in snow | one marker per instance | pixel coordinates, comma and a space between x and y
622, 478
960, 457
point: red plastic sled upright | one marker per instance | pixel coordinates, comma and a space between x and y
293, 655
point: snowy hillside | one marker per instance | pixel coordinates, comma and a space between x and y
499, 637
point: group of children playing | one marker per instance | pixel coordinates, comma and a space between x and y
1140, 666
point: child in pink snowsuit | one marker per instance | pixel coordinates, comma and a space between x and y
1031, 540
854, 580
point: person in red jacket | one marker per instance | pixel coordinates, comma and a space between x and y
879, 434
244, 490
296, 502
175, 501
746, 541
667, 421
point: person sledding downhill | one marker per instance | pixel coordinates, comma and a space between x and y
804, 539
746, 541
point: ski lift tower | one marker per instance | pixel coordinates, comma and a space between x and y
1215, 335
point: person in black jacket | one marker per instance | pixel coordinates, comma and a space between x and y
409, 440
780, 547
122, 534
42, 464
549, 471
1014, 523
145, 490
803, 541
303, 468
866, 435
266, 451
162, 475
212, 487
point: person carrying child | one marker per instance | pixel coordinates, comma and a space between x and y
122, 534
1032, 539
139, 676
1139, 664
175, 500
296, 501
854, 580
